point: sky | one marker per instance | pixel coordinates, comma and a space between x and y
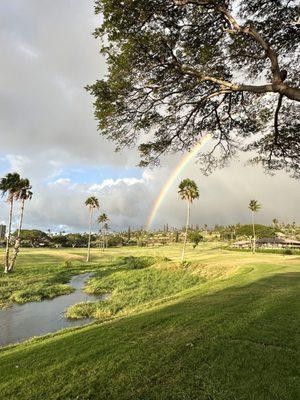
48, 133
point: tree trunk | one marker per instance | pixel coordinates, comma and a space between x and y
103, 238
6, 267
90, 232
186, 230
254, 238
18, 239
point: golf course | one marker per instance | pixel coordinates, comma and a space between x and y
223, 325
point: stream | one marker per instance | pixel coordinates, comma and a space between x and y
21, 322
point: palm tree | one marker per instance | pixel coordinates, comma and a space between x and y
24, 193
92, 203
102, 219
254, 207
188, 191
9, 185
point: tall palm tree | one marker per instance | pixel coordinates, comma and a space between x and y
24, 193
92, 203
9, 185
102, 219
188, 191
254, 207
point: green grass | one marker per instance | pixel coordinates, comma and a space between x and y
232, 333
133, 289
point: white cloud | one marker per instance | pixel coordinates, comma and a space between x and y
28, 50
60, 181
148, 175
108, 183
17, 162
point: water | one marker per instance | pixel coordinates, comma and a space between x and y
21, 322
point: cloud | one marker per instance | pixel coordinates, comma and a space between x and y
109, 183
60, 181
48, 56
17, 162
29, 51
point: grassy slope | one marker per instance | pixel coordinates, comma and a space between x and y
231, 338
131, 290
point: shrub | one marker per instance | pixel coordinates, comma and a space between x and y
115, 241
195, 238
81, 310
68, 264
138, 262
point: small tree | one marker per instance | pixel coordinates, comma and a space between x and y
254, 207
188, 191
92, 203
195, 238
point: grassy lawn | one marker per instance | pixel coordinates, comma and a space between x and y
226, 326
40, 274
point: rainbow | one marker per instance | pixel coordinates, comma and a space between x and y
179, 168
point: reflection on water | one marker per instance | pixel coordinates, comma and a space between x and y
21, 322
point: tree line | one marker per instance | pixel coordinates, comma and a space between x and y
19, 190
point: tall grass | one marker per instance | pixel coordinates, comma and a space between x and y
140, 283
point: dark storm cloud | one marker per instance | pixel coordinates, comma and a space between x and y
48, 56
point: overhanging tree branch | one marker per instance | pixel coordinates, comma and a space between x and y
172, 77
278, 76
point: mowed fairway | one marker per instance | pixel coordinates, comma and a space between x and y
234, 334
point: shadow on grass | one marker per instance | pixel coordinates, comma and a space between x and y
238, 343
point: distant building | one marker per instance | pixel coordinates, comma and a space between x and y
269, 243
242, 244
278, 243
2, 231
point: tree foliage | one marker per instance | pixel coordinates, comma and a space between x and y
195, 237
262, 231
188, 190
179, 69
34, 236
254, 206
92, 202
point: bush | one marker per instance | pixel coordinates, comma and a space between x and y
81, 310
68, 264
260, 230
195, 238
138, 262
115, 241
